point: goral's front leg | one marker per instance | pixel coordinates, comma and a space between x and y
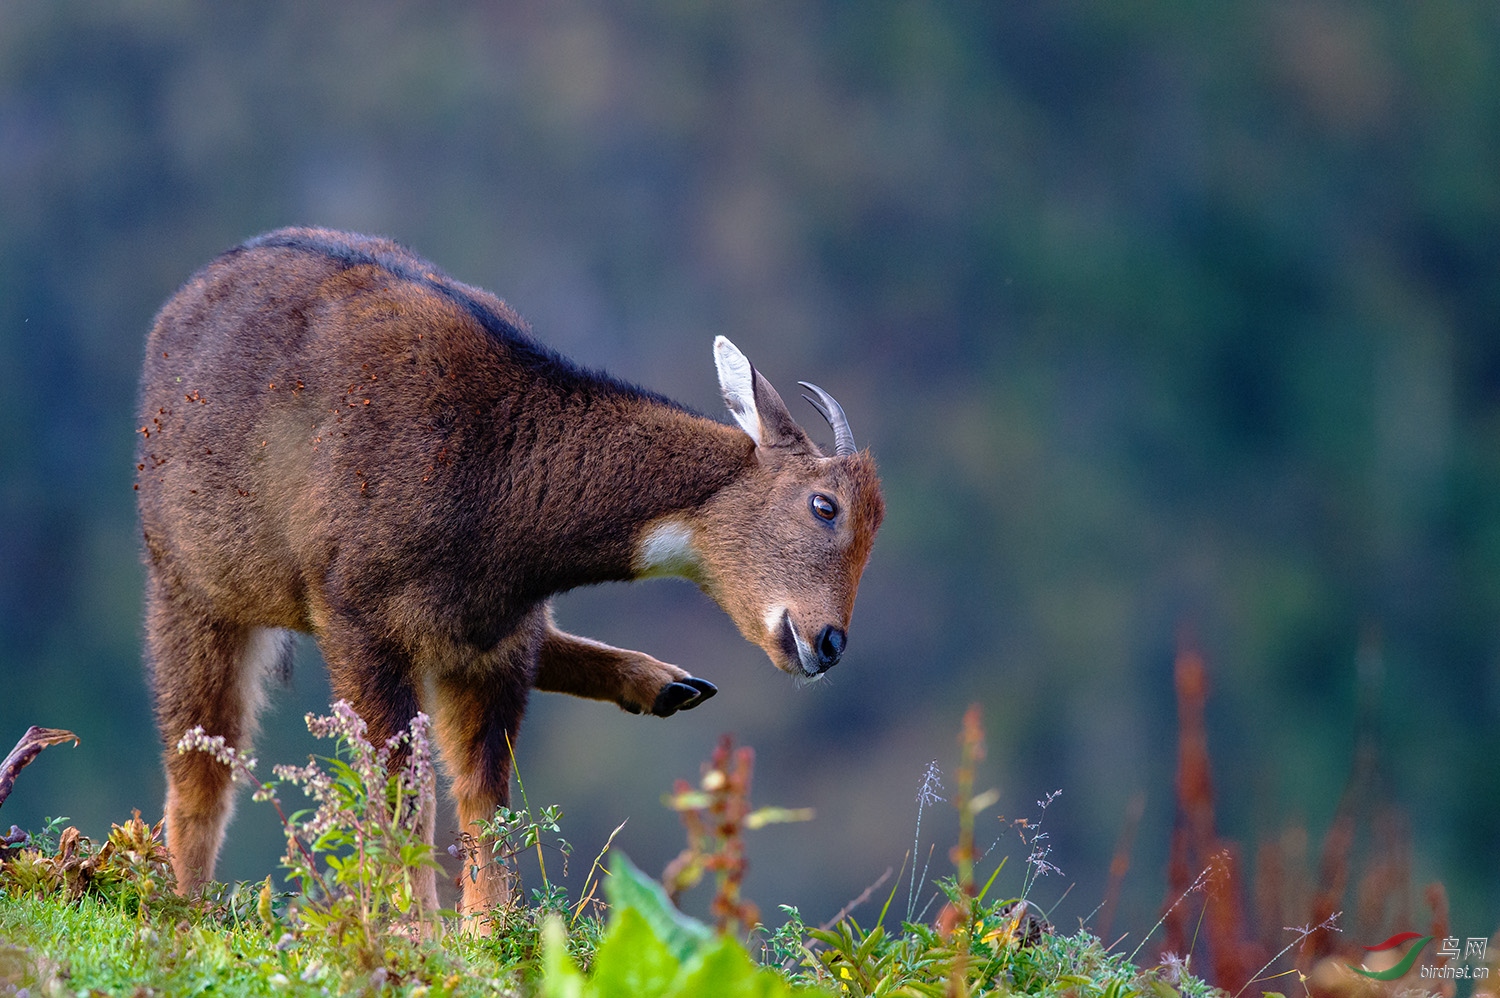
637, 682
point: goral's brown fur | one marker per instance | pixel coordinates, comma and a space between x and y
337, 438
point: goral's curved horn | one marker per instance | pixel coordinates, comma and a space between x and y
829, 409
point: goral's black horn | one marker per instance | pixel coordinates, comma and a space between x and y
828, 407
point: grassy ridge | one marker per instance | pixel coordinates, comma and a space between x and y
78, 918
50, 946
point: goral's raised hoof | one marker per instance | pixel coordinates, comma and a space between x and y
684, 695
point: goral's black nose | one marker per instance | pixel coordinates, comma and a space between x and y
830, 647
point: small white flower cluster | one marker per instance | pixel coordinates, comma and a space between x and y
1175, 968
197, 740
1040, 847
1040, 850
336, 808
417, 776
241, 765
932, 782
927, 793
318, 785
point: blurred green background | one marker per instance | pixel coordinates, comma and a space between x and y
1159, 318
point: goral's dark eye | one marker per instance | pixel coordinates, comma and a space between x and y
822, 506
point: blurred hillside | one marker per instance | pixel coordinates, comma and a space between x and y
1156, 318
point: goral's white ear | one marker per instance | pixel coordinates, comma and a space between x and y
755, 405
737, 383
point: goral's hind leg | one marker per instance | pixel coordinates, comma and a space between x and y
478, 707
206, 672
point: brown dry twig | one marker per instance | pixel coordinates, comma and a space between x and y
26, 750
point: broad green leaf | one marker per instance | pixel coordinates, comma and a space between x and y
628, 887
560, 978
632, 961
724, 970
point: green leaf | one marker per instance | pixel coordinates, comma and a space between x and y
688, 800
777, 816
983, 802
724, 970
1164, 990
632, 961
560, 978
628, 887
343, 773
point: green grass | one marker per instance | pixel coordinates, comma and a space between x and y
81, 919
89, 946
51, 946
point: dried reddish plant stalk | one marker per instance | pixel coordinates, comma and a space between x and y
715, 816
1197, 847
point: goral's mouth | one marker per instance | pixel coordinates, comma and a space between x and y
795, 649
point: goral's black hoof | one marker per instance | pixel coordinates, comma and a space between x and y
705, 690
684, 695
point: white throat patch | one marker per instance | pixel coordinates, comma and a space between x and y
667, 549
